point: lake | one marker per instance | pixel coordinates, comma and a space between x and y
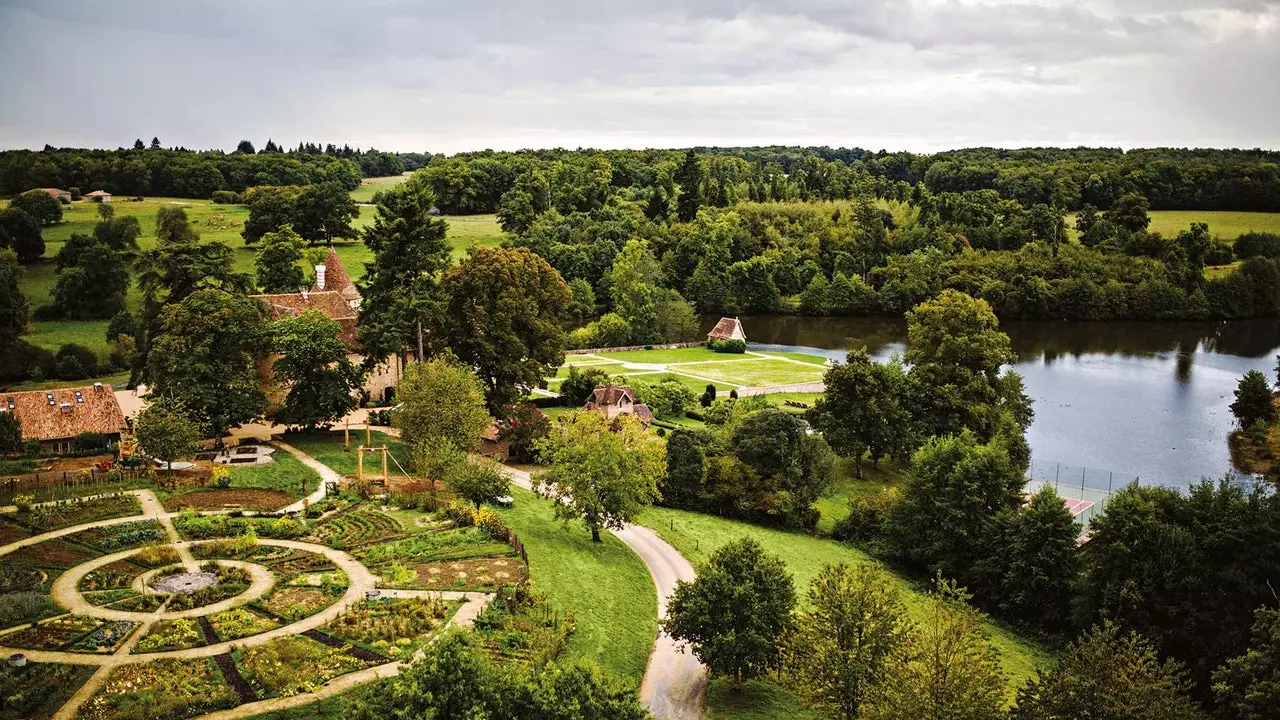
1113, 400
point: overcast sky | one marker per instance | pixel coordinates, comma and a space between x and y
469, 74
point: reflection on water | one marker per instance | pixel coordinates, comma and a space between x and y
1127, 398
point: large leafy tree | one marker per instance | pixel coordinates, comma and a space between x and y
855, 628
20, 231
1247, 687
166, 429
795, 467
440, 399
604, 472
323, 212
277, 264
948, 514
864, 409
40, 205
13, 305
10, 432
270, 208
504, 319
93, 279
949, 670
956, 351
1109, 675
735, 614
205, 355
1039, 562
314, 368
401, 296
1254, 399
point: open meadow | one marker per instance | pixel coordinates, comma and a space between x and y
696, 367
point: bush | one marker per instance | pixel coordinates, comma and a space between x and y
22, 360
90, 442
461, 513
226, 197
491, 523
866, 518
1257, 244
380, 417
86, 362
736, 347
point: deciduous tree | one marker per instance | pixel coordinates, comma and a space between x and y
13, 305
40, 205
277, 264
440, 399
1247, 687
864, 409
314, 368
1254, 399
166, 429
603, 472
735, 614
20, 231
504, 320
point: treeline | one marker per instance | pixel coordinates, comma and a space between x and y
157, 171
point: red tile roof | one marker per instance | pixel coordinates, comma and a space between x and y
55, 193
88, 409
336, 278
98, 193
727, 329
329, 303
610, 395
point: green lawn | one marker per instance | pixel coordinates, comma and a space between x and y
286, 473
605, 585
834, 505
755, 373
369, 186
802, 357
667, 357
327, 448
696, 536
755, 700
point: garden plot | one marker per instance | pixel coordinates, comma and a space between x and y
293, 665
477, 573
361, 526
68, 513
35, 691
113, 538
73, 633
160, 690
392, 627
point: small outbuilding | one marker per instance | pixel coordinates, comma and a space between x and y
615, 400
727, 329
57, 194
98, 196
55, 417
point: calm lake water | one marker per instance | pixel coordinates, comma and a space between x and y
1113, 401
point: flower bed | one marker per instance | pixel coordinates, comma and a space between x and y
231, 581
105, 638
23, 576
292, 665
521, 625
202, 527
140, 603
119, 574
391, 627
53, 554
257, 499
486, 573
295, 603
107, 597
432, 546
161, 690
171, 635
364, 526
237, 623
54, 634
112, 538
37, 690
155, 556
227, 548
77, 512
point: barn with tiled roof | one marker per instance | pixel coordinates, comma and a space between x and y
55, 416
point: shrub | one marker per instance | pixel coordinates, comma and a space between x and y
1257, 244
24, 502
380, 417
90, 442
85, 362
867, 517
492, 523
220, 476
461, 513
728, 346
226, 197
121, 350
22, 360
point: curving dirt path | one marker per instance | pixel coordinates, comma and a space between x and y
674, 682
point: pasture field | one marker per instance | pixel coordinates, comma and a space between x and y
222, 223
369, 186
697, 367
1225, 224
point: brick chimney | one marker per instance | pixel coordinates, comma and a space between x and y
320, 277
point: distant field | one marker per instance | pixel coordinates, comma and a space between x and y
1224, 224
222, 223
697, 367
369, 186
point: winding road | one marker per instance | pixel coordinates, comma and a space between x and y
674, 682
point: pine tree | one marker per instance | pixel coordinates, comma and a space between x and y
689, 177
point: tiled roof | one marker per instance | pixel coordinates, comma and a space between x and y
73, 411
643, 412
55, 192
336, 278
727, 329
610, 395
98, 193
329, 303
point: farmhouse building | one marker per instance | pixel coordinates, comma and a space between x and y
99, 196
615, 400
727, 329
56, 417
336, 296
58, 194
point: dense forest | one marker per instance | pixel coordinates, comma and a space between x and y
178, 172
766, 230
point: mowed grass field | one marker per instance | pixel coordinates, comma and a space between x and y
370, 186
697, 367
1224, 224
222, 223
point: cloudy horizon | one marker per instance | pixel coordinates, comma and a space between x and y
923, 75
